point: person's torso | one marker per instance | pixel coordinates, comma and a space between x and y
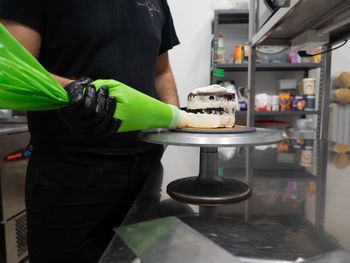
109, 39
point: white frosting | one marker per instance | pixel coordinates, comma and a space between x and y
184, 119
203, 102
212, 88
201, 120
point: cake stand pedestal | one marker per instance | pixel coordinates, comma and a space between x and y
208, 188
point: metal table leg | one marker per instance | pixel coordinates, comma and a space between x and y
208, 188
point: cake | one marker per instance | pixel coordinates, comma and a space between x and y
211, 107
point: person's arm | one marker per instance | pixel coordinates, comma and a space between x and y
89, 113
165, 82
31, 40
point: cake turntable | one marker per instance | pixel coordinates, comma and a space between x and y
208, 188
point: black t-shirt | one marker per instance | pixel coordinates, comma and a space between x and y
111, 39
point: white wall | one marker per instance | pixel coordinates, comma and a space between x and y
341, 59
191, 59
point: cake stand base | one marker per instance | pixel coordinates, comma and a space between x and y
208, 188
191, 190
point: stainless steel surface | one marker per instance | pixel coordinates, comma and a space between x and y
294, 212
169, 240
12, 174
15, 245
15, 119
13, 163
251, 67
263, 13
326, 90
164, 136
332, 27
288, 23
265, 30
10, 128
4, 114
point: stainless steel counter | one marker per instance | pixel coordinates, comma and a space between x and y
299, 208
14, 155
13, 124
10, 128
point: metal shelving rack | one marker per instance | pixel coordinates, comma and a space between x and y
225, 17
279, 113
243, 17
323, 16
269, 67
289, 22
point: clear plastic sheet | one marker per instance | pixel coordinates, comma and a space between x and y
169, 240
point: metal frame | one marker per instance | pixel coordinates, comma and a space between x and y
324, 99
324, 89
251, 65
321, 171
263, 33
213, 56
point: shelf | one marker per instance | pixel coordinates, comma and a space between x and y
302, 15
288, 175
269, 67
300, 175
235, 16
278, 113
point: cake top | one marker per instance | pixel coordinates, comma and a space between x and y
212, 89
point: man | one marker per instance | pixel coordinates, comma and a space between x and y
83, 177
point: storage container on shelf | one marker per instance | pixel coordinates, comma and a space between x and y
309, 86
288, 89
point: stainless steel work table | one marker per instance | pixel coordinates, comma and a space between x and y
10, 128
300, 207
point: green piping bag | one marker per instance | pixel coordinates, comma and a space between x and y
26, 85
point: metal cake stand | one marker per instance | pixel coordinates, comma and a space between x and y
208, 188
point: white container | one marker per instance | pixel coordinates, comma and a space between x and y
306, 158
303, 124
262, 102
220, 52
274, 103
5, 114
288, 84
309, 86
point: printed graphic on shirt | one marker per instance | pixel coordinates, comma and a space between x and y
149, 5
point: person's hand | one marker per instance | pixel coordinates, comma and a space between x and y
90, 112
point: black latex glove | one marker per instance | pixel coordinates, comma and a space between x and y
90, 112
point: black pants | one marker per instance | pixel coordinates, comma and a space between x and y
74, 201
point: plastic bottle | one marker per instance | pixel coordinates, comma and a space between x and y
220, 52
231, 85
242, 99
